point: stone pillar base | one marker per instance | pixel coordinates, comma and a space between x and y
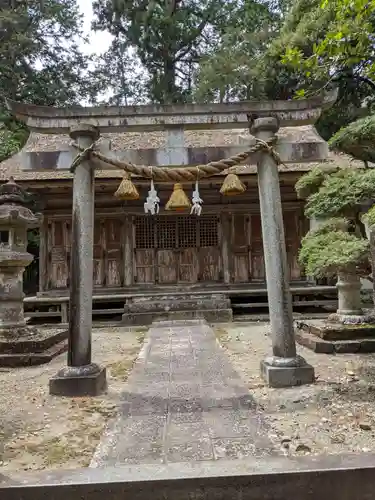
79, 381
285, 372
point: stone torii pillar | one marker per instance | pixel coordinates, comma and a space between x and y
284, 368
81, 377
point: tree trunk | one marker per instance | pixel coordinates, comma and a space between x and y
169, 82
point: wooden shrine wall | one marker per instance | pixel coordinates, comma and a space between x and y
139, 250
247, 246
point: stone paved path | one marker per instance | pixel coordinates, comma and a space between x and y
183, 402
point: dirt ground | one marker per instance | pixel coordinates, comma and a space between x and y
39, 431
335, 415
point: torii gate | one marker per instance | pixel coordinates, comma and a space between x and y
84, 125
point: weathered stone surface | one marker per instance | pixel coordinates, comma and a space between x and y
285, 376
183, 401
346, 477
335, 331
78, 384
316, 344
153, 117
214, 308
18, 359
81, 377
20, 345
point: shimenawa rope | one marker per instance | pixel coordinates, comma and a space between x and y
176, 174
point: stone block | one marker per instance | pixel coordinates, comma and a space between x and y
279, 377
70, 384
32, 347
314, 343
147, 318
335, 331
306, 338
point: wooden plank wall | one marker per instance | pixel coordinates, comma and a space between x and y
172, 249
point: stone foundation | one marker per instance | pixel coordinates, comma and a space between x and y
324, 337
31, 346
214, 308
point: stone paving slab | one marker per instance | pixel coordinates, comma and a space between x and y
183, 401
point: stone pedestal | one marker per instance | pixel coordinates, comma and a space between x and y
284, 368
349, 294
81, 377
326, 337
20, 344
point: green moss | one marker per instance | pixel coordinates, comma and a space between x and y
357, 139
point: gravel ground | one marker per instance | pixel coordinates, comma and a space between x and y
335, 415
39, 431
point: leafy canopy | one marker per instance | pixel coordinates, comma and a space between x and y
342, 193
330, 249
357, 139
311, 182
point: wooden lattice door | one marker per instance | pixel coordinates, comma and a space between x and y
176, 249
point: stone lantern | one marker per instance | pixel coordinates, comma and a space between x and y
20, 344
15, 219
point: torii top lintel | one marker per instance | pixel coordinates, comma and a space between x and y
51, 120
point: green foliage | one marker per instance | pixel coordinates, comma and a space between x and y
330, 225
169, 38
41, 61
232, 69
310, 182
344, 39
357, 139
369, 217
292, 68
11, 141
118, 72
324, 253
342, 193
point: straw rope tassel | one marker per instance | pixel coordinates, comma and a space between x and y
178, 199
126, 189
232, 185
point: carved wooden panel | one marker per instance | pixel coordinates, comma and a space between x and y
247, 245
240, 248
257, 271
113, 255
98, 267
58, 258
209, 250
295, 228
